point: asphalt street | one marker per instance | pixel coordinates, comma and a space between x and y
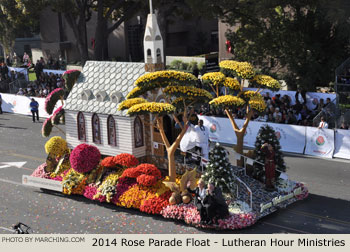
326, 210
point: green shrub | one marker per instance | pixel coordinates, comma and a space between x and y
176, 64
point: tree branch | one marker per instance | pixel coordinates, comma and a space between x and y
177, 121
115, 6
232, 120
162, 133
127, 14
245, 125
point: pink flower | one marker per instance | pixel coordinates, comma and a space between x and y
52, 99
90, 191
40, 172
84, 158
70, 71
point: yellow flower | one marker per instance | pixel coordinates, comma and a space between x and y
266, 81
227, 100
151, 107
169, 75
187, 90
134, 93
232, 83
243, 70
56, 146
107, 188
257, 103
130, 102
72, 180
217, 78
251, 94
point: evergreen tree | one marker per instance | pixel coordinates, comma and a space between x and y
267, 135
219, 170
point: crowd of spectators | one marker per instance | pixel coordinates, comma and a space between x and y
280, 110
43, 85
45, 82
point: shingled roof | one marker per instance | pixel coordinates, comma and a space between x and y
102, 85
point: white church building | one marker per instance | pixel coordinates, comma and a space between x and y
91, 108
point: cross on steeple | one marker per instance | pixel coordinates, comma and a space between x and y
150, 7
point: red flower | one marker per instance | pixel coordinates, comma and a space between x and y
156, 204
149, 169
146, 180
146, 174
132, 173
126, 160
108, 162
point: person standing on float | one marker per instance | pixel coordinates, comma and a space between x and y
270, 166
202, 139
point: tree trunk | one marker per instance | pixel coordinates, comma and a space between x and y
100, 33
239, 146
79, 30
101, 39
171, 163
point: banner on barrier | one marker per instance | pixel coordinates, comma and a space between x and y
342, 144
291, 137
19, 104
23, 70
59, 72
319, 142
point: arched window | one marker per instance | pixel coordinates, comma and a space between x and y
112, 139
81, 126
96, 133
138, 132
149, 52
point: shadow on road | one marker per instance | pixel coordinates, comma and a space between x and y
316, 214
12, 127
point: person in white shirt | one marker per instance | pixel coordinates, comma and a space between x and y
277, 113
323, 124
202, 138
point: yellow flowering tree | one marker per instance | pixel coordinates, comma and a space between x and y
179, 92
232, 76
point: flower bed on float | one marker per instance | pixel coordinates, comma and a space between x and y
122, 181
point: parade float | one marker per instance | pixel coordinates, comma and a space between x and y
137, 180
121, 144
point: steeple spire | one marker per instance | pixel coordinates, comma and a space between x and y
153, 43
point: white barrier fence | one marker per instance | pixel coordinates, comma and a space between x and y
316, 142
295, 139
291, 137
19, 104
342, 144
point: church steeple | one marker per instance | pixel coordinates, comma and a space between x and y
153, 43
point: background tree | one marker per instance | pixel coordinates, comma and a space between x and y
267, 135
233, 97
179, 92
13, 24
76, 13
117, 11
300, 41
